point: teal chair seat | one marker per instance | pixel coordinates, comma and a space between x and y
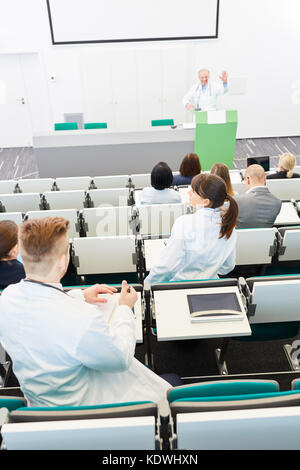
65, 126
58, 413
250, 396
12, 403
95, 125
162, 122
221, 389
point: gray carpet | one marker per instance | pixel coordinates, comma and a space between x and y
21, 162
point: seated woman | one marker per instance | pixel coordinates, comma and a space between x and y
203, 244
11, 270
285, 168
160, 192
190, 167
220, 169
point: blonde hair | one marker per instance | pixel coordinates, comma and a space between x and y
287, 162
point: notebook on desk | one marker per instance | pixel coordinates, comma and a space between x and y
214, 307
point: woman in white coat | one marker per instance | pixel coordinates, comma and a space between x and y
202, 245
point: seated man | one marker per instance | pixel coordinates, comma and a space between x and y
63, 350
258, 207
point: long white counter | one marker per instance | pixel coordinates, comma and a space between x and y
105, 152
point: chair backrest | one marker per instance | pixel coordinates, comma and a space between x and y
295, 384
12, 402
107, 221
20, 202
16, 217
255, 246
235, 176
222, 388
158, 219
103, 255
141, 180
95, 125
86, 434
291, 244
76, 182
114, 181
73, 199
277, 299
288, 215
69, 214
238, 187
109, 197
284, 189
65, 126
38, 185
7, 186
25, 414
252, 429
162, 122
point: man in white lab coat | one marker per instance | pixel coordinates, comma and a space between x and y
204, 94
63, 350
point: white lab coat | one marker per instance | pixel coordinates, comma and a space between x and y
204, 100
151, 195
64, 352
194, 250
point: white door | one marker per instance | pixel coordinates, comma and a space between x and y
15, 124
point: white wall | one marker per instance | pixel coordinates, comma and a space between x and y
127, 85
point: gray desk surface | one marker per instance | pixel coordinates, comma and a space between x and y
105, 152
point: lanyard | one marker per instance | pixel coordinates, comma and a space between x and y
46, 285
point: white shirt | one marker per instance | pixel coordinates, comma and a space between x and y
194, 250
151, 195
64, 352
204, 99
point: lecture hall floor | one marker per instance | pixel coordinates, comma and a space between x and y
21, 162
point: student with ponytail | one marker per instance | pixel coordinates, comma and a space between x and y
202, 244
286, 165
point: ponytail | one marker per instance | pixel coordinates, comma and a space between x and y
289, 174
229, 218
213, 187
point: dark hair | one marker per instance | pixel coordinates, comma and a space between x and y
213, 187
8, 237
161, 176
190, 165
220, 169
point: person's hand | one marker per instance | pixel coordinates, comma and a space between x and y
91, 293
128, 295
190, 106
224, 77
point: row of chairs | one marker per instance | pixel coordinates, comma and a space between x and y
284, 189
78, 198
218, 415
139, 234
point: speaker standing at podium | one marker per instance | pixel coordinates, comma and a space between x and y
203, 95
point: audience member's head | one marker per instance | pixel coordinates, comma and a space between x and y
209, 191
161, 176
8, 240
44, 247
190, 165
220, 169
286, 163
255, 176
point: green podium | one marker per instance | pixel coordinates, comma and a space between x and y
215, 137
